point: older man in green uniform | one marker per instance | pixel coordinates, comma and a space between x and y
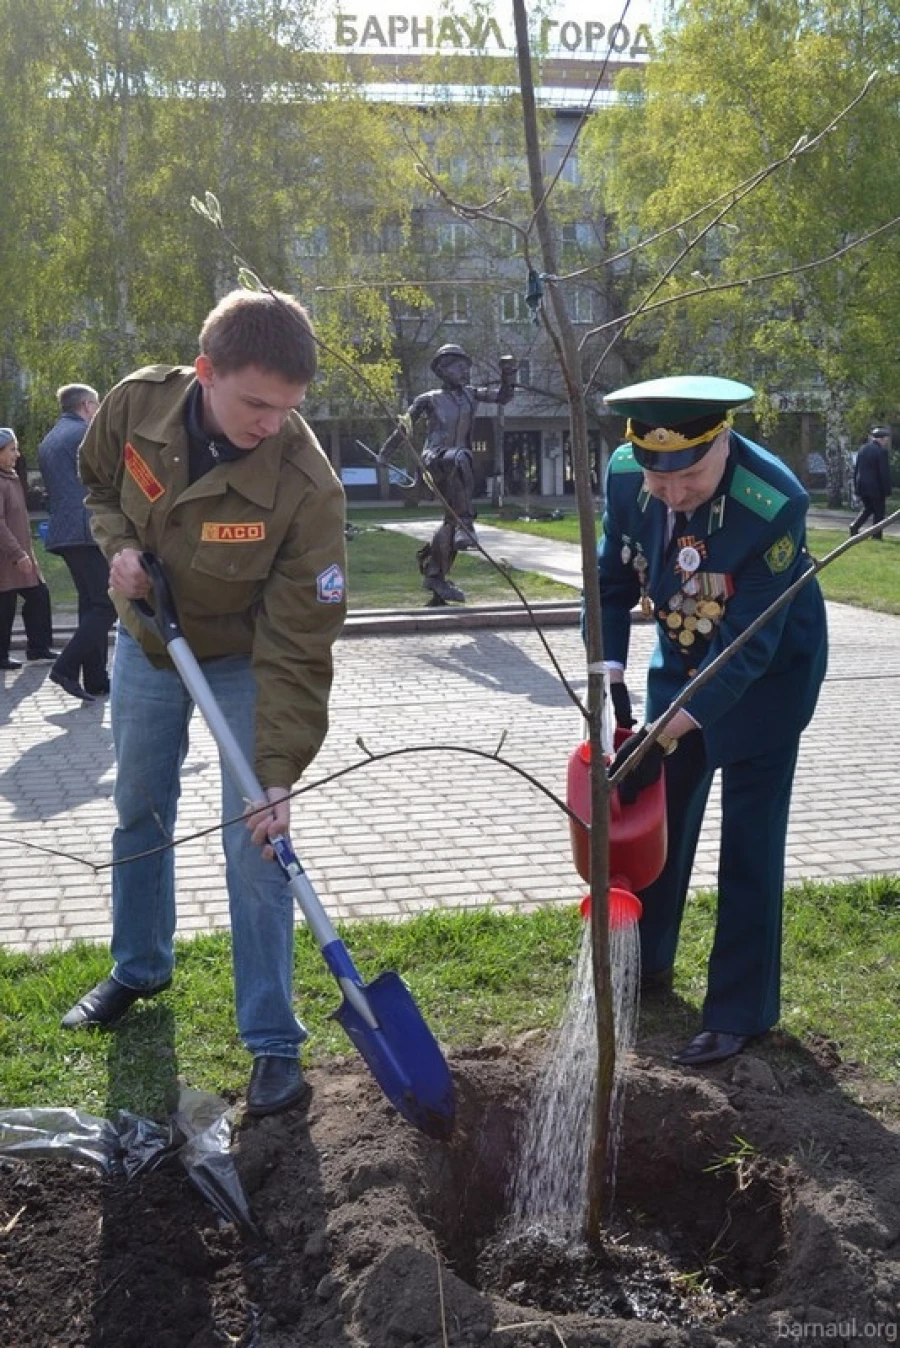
705, 529
213, 469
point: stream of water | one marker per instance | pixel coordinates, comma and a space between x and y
549, 1186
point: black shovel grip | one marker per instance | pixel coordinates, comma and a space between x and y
161, 616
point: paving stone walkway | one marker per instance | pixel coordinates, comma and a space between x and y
439, 828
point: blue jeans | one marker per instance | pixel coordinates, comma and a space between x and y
151, 711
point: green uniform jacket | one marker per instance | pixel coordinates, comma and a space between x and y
253, 551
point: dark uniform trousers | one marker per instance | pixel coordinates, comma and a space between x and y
88, 648
745, 961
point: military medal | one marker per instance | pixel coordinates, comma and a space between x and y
641, 567
688, 560
704, 626
686, 638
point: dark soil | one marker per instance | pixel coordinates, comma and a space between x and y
756, 1203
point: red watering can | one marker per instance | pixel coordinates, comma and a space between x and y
637, 836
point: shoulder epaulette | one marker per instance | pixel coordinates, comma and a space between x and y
153, 374
623, 461
756, 494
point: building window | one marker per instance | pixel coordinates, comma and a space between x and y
455, 238
570, 171
512, 307
456, 306
523, 374
575, 240
454, 166
314, 244
581, 305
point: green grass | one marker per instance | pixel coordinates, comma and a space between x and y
867, 575
476, 975
382, 573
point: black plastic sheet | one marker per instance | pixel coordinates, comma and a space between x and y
199, 1134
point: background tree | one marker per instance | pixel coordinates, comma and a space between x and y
734, 88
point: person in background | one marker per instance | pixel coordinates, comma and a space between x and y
213, 470
872, 479
19, 570
706, 529
80, 668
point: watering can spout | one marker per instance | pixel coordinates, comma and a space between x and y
625, 908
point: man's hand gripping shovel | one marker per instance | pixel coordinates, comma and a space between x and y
381, 1017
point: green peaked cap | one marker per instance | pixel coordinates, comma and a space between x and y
678, 398
673, 422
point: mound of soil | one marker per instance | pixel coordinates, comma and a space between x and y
755, 1203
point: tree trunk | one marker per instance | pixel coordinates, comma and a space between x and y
570, 363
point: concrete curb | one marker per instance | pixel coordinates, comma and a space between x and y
395, 622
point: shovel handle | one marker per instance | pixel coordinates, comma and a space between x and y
161, 616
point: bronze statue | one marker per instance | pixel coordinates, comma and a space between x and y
449, 412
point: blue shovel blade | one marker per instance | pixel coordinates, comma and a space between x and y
403, 1055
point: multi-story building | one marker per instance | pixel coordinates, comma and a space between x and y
472, 273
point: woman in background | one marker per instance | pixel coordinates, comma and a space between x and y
19, 571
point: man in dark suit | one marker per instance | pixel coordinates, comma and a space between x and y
872, 478
706, 529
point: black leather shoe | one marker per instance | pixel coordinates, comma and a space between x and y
10, 664
99, 689
70, 686
105, 1004
711, 1046
275, 1084
44, 653
659, 982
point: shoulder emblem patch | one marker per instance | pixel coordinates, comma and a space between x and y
623, 461
781, 554
137, 468
756, 494
330, 585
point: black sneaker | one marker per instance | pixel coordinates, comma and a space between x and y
10, 664
42, 653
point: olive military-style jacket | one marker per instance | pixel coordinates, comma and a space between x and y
253, 551
738, 552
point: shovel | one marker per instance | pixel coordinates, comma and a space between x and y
381, 1018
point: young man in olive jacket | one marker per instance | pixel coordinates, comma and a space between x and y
212, 469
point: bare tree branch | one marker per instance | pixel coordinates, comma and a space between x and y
711, 287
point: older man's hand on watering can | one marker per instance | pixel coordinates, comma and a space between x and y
647, 771
621, 700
